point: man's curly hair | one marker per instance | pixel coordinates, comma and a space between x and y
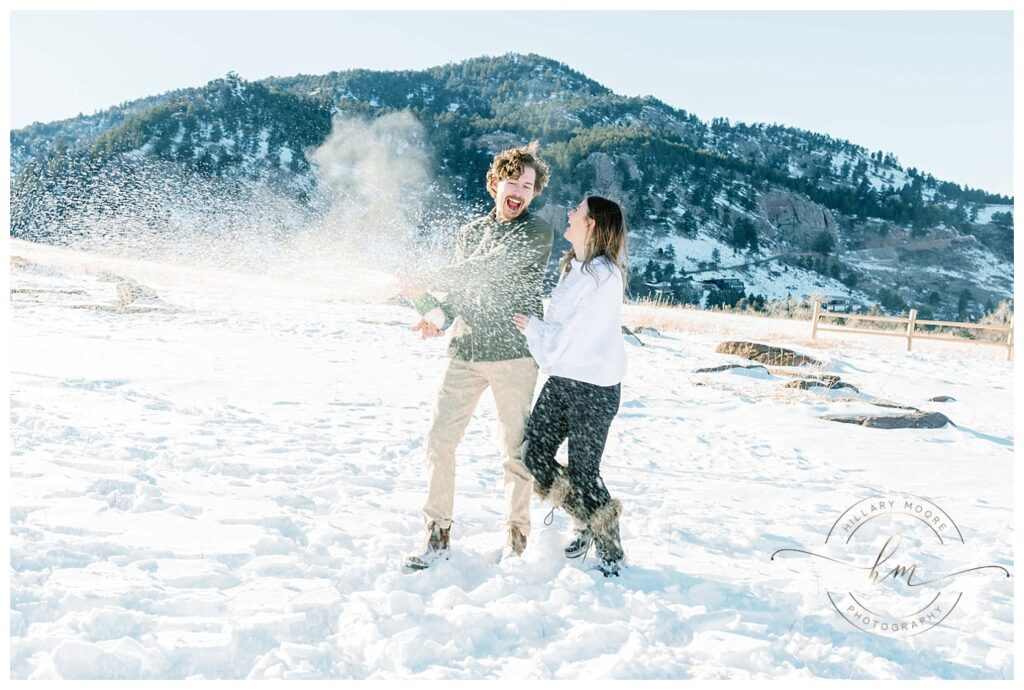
509, 165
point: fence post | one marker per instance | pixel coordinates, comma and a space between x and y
814, 320
910, 328
1009, 342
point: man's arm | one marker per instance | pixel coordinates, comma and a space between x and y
494, 276
455, 303
469, 276
451, 304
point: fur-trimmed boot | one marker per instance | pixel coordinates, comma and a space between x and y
556, 493
604, 524
563, 495
581, 542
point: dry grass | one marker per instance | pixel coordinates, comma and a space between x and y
792, 322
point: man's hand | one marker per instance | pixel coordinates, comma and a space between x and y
427, 330
520, 320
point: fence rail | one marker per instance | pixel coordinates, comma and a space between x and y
910, 332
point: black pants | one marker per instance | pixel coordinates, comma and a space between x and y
581, 412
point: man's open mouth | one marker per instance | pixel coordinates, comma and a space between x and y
513, 205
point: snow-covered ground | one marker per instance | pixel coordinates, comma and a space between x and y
222, 484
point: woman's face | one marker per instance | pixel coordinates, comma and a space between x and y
580, 225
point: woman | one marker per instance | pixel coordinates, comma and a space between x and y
579, 346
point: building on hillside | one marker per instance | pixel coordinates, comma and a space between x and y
724, 284
662, 290
840, 304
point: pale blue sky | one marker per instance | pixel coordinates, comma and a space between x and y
935, 88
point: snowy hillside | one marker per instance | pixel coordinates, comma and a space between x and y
220, 479
772, 279
823, 215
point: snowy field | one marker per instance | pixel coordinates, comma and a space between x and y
222, 483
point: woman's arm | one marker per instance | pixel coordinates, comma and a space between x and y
588, 299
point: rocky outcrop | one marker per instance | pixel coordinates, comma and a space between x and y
497, 141
797, 219
832, 384
130, 292
630, 337
765, 354
46, 291
879, 402
615, 175
726, 367
916, 420
804, 380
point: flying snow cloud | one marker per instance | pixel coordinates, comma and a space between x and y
362, 216
374, 177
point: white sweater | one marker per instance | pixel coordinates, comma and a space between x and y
581, 335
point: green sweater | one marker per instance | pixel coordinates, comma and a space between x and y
498, 270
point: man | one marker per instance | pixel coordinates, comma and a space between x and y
499, 266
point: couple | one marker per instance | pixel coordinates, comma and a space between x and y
491, 301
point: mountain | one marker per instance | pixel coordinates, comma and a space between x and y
795, 212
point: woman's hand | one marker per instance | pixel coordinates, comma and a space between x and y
520, 320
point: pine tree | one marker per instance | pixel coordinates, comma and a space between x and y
823, 243
962, 303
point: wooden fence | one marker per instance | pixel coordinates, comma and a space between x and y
910, 332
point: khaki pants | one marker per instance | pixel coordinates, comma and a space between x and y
512, 382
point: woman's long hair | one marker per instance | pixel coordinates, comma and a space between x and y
608, 239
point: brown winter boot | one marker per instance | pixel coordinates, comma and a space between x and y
604, 524
563, 495
515, 544
437, 547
